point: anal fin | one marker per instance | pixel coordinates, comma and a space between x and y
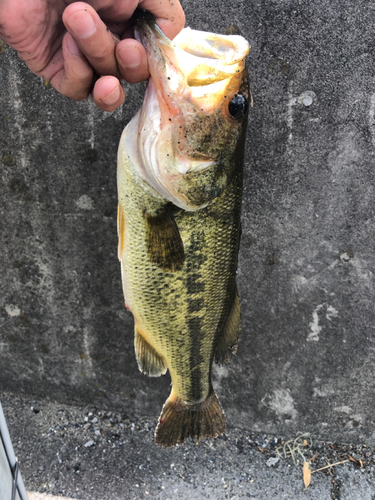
179, 421
149, 361
227, 344
164, 244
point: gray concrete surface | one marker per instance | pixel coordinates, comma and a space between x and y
306, 265
90, 454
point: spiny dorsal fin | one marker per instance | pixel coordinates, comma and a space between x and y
179, 421
163, 240
149, 361
227, 345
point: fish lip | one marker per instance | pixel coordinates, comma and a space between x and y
148, 33
143, 17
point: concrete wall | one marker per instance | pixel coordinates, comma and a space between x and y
306, 270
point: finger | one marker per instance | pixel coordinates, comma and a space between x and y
75, 79
108, 93
132, 60
93, 38
169, 15
114, 11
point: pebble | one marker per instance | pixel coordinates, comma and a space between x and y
271, 462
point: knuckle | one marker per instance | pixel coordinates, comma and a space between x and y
76, 94
105, 56
81, 80
72, 89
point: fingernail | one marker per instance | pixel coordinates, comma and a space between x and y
72, 46
113, 97
81, 24
129, 58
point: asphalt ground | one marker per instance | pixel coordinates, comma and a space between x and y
86, 453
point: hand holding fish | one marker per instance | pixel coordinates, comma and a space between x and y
84, 47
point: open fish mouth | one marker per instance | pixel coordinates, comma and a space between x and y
192, 61
194, 79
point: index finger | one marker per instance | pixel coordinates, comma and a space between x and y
92, 37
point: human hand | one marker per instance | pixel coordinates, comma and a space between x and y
70, 43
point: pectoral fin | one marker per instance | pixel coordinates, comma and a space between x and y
149, 361
164, 244
227, 345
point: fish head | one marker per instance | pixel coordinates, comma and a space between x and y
192, 124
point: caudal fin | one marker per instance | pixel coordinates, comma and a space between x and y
178, 421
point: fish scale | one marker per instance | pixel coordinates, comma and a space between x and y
162, 302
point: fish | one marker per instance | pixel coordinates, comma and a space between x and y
180, 176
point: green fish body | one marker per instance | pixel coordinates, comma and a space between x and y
179, 254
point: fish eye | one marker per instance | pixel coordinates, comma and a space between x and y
238, 106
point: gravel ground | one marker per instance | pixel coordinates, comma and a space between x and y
96, 454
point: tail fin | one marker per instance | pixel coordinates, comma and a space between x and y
178, 421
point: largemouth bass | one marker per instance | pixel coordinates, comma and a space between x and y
180, 169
